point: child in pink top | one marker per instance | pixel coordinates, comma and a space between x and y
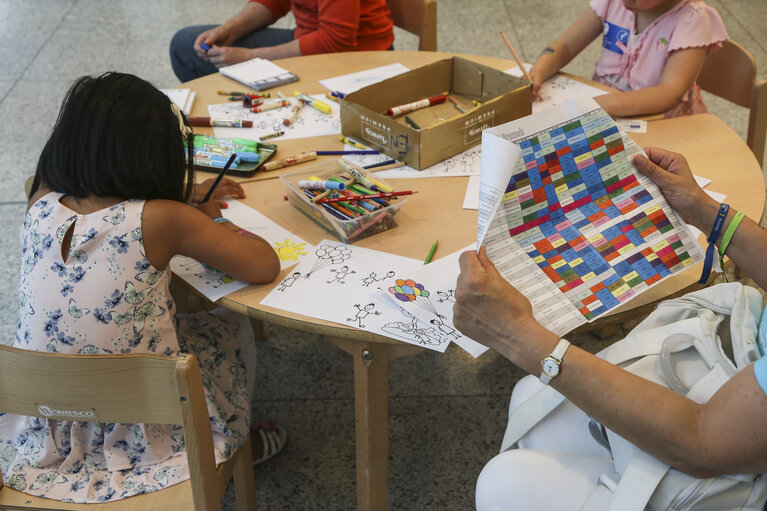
652, 50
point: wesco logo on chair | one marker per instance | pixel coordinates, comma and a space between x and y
47, 411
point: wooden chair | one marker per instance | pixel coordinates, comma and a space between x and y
730, 73
418, 17
164, 390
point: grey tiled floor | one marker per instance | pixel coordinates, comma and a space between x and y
447, 412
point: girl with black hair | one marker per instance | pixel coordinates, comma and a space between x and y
107, 212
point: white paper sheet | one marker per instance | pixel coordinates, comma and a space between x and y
310, 122
466, 163
471, 199
494, 178
578, 230
558, 89
351, 82
632, 125
427, 292
214, 284
183, 98
340, 283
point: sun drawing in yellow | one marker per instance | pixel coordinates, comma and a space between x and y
289, 251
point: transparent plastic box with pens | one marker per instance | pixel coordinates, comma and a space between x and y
344, 199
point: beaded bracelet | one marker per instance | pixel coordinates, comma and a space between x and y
728, 233
718, 223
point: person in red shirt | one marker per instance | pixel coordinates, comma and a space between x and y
322, 26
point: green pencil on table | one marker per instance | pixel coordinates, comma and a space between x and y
431, 252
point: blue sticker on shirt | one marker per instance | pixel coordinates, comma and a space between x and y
613, 34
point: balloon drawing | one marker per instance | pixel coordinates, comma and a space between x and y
329, 254
409, 291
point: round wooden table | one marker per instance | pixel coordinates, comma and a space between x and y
713, 149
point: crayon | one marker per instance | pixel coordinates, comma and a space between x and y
271, 135
355, 171
458, 105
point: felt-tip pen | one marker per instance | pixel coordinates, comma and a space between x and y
220, 123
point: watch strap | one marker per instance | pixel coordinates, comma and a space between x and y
557, 354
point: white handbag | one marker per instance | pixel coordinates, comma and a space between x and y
692, 345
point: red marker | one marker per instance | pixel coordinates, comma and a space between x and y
415, 105
220, 123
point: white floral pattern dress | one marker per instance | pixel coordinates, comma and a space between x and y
108, 298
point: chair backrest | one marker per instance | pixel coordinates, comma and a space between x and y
91, 388
418, 17
730, 73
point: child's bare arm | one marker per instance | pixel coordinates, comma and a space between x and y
171, 228
678, 76
555, 56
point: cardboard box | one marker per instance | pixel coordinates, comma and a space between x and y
445, 130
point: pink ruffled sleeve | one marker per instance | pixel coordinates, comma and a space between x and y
600, 8
699, 25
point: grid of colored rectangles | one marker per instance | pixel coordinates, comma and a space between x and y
576, 207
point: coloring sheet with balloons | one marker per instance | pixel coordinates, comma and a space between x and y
428, 293
341, 283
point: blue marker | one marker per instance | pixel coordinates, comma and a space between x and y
247, 156
205, 46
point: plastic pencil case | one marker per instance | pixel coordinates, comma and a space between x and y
347, 231
244, 168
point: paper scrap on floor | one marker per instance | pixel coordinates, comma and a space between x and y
346, 84
558, 89
309, 123
576, 228
428, 293
183, 98
214, 284
340, 283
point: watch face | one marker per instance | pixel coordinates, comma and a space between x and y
550, 367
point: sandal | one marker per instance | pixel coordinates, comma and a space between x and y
273, 438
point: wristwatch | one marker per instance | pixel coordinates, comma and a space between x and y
550, 365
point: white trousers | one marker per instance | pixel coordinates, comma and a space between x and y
557, 466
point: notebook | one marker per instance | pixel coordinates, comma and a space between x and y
259, 74
184, 98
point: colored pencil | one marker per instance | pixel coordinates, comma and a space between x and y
219, 177
516, 57
326, 153
382, 195
431, 253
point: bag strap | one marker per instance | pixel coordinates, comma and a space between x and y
529, 413
643, 474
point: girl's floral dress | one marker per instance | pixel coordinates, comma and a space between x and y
106, 297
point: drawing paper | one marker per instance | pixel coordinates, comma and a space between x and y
427, 292
351, 82
558, 89
309, 123
340, 283
214, 284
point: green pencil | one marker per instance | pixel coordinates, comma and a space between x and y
431, 252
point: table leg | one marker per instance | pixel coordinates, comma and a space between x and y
371, 410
